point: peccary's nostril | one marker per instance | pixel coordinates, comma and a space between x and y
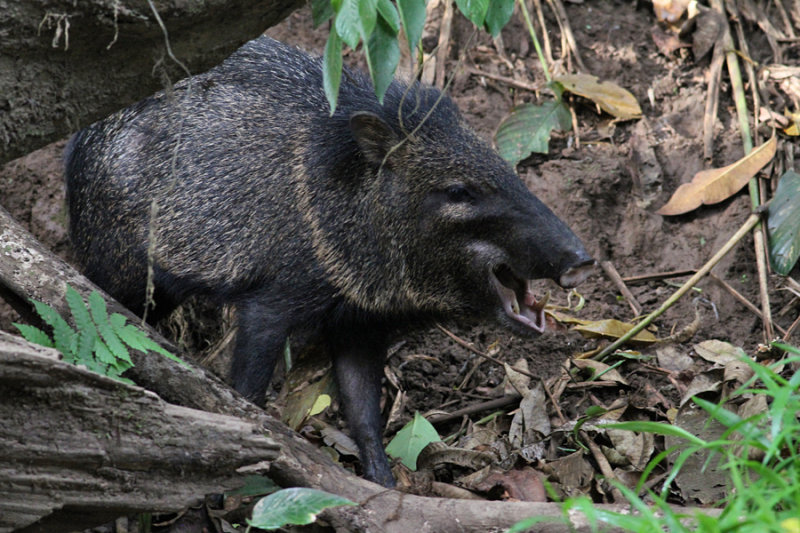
577, 272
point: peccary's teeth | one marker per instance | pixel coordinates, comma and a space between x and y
538, 305
517, 298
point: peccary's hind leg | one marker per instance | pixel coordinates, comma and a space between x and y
358, 358
260, 339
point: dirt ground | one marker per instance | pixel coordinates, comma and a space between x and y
606, 185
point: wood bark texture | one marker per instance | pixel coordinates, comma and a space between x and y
78, 447
66, 64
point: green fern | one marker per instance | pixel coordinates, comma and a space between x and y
100, 341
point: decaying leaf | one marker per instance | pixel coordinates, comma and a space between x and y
699, 479
783, 224
600, 369
717, 184
527, 129
573, 471
710, 381
635, 447
336, 438
518, 381
737, 371
530, 422
611, 98
613, 329
719, 352
523, 484
670, 358
306, 401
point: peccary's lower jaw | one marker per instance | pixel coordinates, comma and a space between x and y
517, 298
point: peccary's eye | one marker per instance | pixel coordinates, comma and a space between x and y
459, 194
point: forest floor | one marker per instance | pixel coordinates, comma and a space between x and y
606, 183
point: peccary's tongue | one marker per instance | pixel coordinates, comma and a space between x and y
518, 300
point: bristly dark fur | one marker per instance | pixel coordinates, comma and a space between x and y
239, 184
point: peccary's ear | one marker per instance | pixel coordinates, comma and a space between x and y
373, 135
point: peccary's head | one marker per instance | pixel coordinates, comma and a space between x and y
463, 236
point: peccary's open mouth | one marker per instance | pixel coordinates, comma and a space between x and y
517, 298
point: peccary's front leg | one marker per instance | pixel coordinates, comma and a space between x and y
261, 335
358, 358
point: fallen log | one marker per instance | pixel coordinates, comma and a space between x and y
79, 449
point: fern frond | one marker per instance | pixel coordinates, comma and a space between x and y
34, 335
97, 306
64, 337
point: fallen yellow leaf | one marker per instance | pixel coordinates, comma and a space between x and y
614, 329
669, 10
717, 184
611, 98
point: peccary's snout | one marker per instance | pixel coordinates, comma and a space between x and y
575, 268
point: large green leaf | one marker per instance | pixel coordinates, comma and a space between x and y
527, 129
348, 22
332, 69
368, 17
474, 10
783, 223
297, 506
412, 13
409, 441
321, 11
498, 15
389, 13
383, 55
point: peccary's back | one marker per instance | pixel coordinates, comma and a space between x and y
238, 167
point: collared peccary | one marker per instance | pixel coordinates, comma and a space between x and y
240, 185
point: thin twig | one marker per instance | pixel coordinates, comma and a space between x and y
444, 44
533, 87
566, 32
655, 276
548, 51
740, 297
791, 329
604, 465
712, 99
488, 405
613, 275
787, 23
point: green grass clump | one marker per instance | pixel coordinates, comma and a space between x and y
760, 455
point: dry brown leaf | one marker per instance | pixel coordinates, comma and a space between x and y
717, 184
608, 373
710, 381
614, 329
524, 484
635, 447
611, 98
719, 352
